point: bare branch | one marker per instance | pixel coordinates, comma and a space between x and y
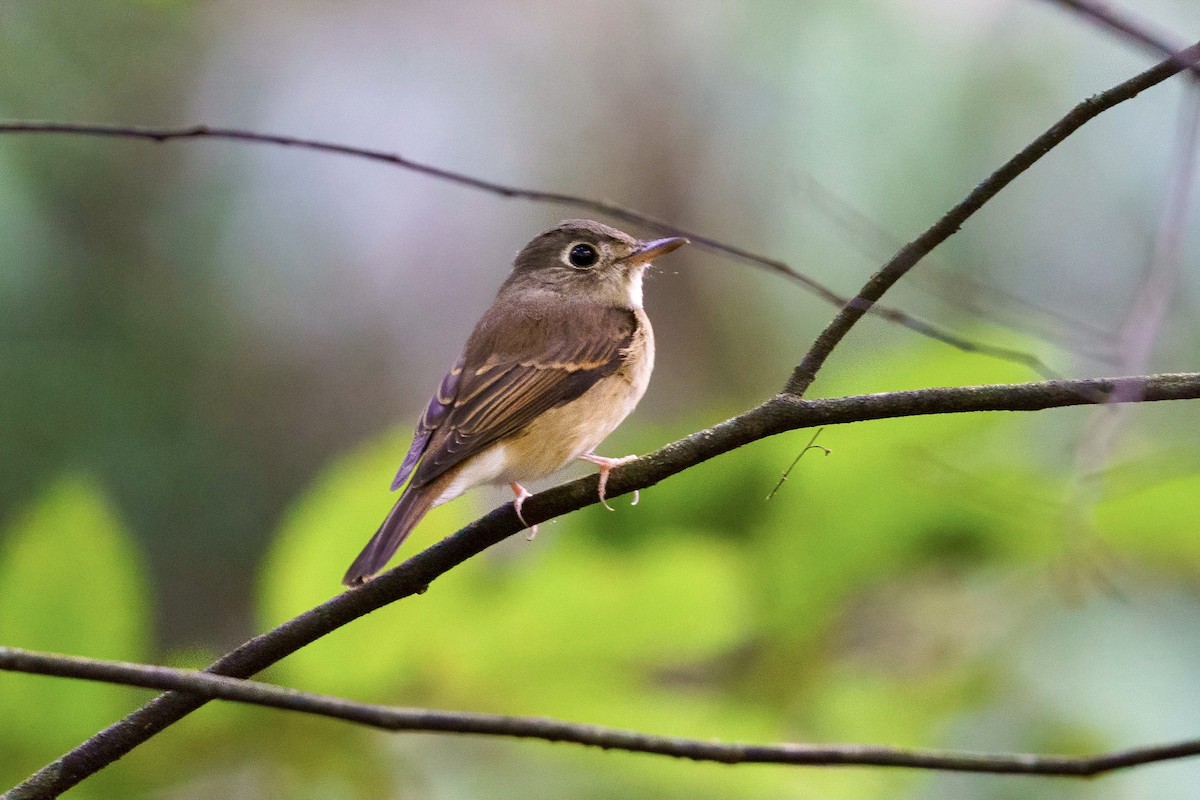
781, 413
423, 720
948, 225
1148, 310
1124, 23
591, 205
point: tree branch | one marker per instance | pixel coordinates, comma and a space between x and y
591, 205
420, 720
948, 225
777, 415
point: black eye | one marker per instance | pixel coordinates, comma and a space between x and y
582, 256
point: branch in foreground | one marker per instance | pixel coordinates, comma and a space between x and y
591, 205
421, 720
955, 218
778, 415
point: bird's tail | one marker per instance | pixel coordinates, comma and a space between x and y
404, 516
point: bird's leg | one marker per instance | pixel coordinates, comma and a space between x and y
606, 466
520, 493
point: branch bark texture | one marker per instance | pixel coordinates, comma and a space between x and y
203, 685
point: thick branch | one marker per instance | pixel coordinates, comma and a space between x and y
780, 414
948, 225
393, 718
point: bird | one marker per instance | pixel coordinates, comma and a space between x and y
556, 363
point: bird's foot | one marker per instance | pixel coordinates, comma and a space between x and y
607, 465
520, 493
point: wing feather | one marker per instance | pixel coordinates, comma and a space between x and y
435, 414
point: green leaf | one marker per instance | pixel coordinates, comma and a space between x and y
1157, 522
71, 581
319, 538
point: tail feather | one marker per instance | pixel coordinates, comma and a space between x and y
404, 516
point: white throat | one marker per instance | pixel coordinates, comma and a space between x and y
635, 288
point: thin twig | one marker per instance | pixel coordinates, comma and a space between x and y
592, 205
423, 720
781, 413
949, 224
812, 445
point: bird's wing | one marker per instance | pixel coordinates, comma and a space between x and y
502, 382
435, 414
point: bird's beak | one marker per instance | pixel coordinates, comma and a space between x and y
648, 251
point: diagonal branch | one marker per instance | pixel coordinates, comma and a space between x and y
423, 720
591, 205
948, 225
778, 415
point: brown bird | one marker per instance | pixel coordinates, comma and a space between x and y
553, 367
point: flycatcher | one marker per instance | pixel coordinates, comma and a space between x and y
553, 367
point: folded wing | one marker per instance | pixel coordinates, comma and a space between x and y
503, 381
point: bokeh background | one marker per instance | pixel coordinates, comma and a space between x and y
212, 354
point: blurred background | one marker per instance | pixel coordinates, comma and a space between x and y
212, 356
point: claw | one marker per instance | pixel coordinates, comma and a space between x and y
607, 465
520, 493
604, 483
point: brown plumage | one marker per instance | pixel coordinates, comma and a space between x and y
555, 364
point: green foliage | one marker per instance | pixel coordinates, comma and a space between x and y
1155, 522
319, 537
70, 582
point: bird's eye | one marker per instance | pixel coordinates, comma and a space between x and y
582, 256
